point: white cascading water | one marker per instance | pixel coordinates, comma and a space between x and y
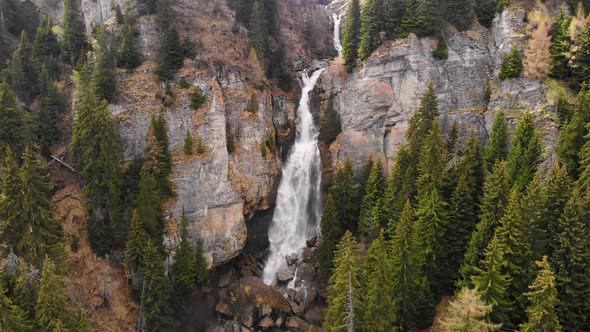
337, 43
297, 213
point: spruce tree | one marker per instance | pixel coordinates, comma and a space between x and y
377, 302
149, 207
580, 66
432, 162
542, 311
185, 268
426, 17
28, 224
461, 14
572, 135
511, 64
584, 170
370, 217
525, 154
331, 232
201, 263
556, 192
74, 32
371, 26
468, 313
497, 147
24, 71
410, 288
409, 22
564, 110
344, 293
572, 264
534, 211
129, 57
188, 144
155, 160
52, 106
346, 198
351, 35
398, 190
170, 55
393, 12
12, 318
560, 45
46, 48
494, 200
136, 243
51, 309
156, 312
104, 74
13, 121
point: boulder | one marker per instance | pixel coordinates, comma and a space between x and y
292, 259
296, 324
315, 315
306, 272
224, 310
261, 295
309, 254
312, 241
225, 279
266, 323
284, 275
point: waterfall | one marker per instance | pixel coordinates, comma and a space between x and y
337, 43
297, 213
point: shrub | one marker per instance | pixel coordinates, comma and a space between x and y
253, 104
263, 149
441, 52
511, 64
184, 84
197, 99
200, 146
188, 144
230, 140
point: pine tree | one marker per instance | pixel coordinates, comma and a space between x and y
542, 313
156, 295
492, 283
185, 269
28, 224
556, 192
525, 154
560, 45
572, 135
97, 154
52, 106
371, 26
13, 121
410, 289
149, 207
468, 313
461, 14
331, 232
51, 309
188, 144
170, 55
351, 35
370, 217
494, 200
12, 318
497, 147
580, 66
74, 32
344, 297
377, 302
24, 71
572, 264
511, 64
136, 243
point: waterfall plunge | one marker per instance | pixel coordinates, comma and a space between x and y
337, 43
297, 213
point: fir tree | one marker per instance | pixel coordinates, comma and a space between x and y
149, 208
511, 64
74, 32
12, 318
426, 17
345, 195
564, 110
494, 200
560, 44
441, 51
46, 48
51, 309
155, 160
534, 211
468, 313
410, 289
497, 147
13, 121
541, 313
170, 55
556, 192
344, 297
136, 242
393, 14
460, 13
371, 26
201, 263
432, 162
331, 232
351, 35
28, 224
370, 217
397, 191
188, 144
185, 268
129, 57
105, 69
52, 106
156, 312
409, 21
572, 135
525, 154
377, 302
24, 71
580, 66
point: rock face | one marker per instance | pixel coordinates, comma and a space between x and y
375, 102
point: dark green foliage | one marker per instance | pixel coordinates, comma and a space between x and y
497, 147
461, 14
197, 98
542, 310
51, 309
344, 292
170, 55
572, 136
157, 157
201, 263
441, 52
378, 302
511, 64
23, 71
230, 140
370, 221
572, 264
12, 318
485, 11
46, 48
351, 36
331, 232
564, 110
253, 105
136, 243
560, 45
185, 268
156, 295
201, 148
263, 151
105, 69
129, 57
149, 208
13, 121
487, 93
74, 32
52, 106
346, 198
97, 154
257, 31
188, 144
410, 289
525, 154
27, 224
580, 66
393, 13
371, 26
557, 192
534, 211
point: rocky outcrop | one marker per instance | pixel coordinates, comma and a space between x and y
375, 102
